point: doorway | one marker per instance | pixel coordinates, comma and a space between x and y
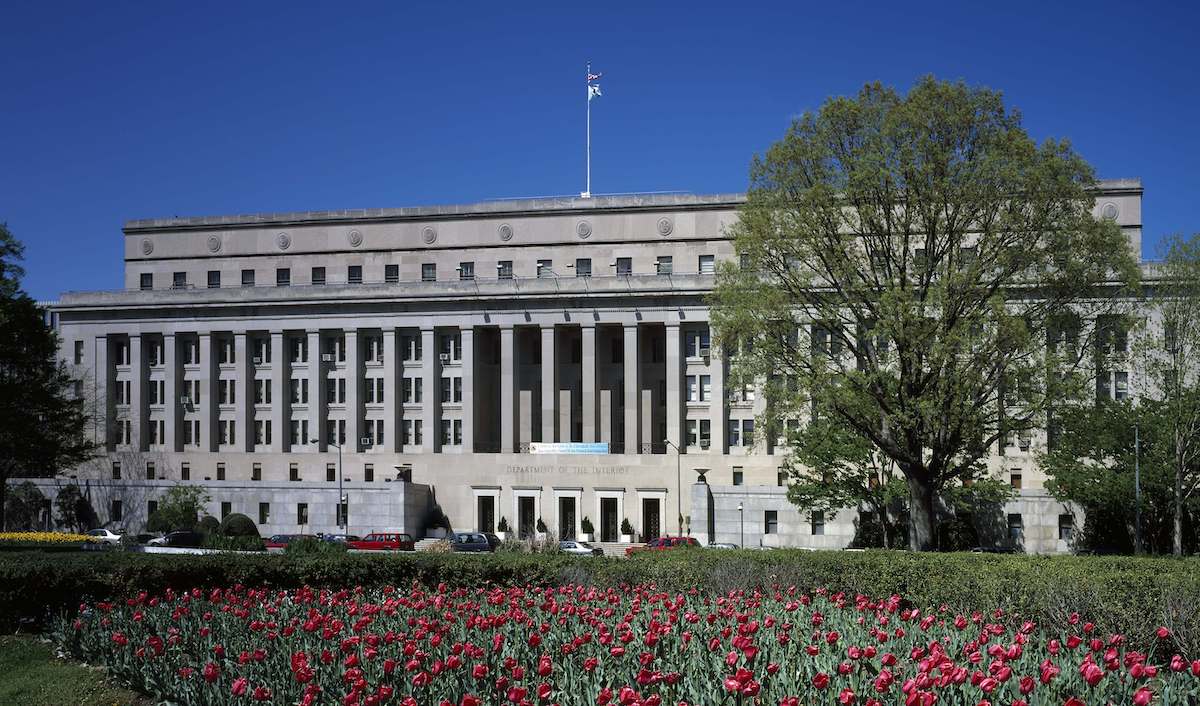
609, 522
525, 517
485, 513
651, 520
566, 518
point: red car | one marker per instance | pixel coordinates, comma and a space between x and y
663, 543
384, 541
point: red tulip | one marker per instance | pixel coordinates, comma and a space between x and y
820, 680
846, 697
211, 672
239, 686
469, 700
1142, 696
1163, 633
261, 693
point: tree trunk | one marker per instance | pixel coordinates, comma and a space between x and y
920, 514
1177, 535
3, 504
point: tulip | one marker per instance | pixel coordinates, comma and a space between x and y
239, 686
820, 680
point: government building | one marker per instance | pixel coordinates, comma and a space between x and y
534, 361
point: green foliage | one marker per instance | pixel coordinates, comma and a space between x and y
541, 525
75, 512
626, 527
586, 525
24, 507
209, 525
311, 545
882, 244
180, 508
240, 543
35, 676
502, 525
238, 525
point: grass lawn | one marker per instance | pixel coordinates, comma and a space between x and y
31, 675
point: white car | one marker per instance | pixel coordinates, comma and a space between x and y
105, 536
572, 546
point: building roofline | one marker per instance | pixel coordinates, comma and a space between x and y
493, 209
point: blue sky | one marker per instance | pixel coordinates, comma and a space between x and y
113, 111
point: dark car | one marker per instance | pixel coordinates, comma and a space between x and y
183, 538
470, 542
493, 540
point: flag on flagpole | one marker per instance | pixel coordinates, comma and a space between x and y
593, 91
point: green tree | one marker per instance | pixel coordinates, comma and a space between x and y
903, 263
42, 423
179, 509
24, 507
1092, 465
75, 511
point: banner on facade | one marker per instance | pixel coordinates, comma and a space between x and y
543, 447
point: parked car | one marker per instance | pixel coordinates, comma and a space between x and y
663, 544
469, 542
183, 538
147, 537
280, 541
384, 541
343, 538
493, 540
574, 546
722, 545
105, 536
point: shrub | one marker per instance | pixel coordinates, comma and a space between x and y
541, 526
502, 526
586, 525
234, 543
238, 525
209, 525
312, 545
626, 527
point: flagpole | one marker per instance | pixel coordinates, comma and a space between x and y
587, 193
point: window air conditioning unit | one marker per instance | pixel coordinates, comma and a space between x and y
704, 352
326, 357
705, 443
185, 400
444, 357
365, 441
257, 360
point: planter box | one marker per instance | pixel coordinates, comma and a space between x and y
501, 535
585, 537
627, 539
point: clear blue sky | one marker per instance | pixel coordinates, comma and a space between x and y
113, 111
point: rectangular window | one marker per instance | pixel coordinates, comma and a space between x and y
226, 509
707, 265
247, 278
1066, 527
78, 352
738, 475
264, 513
214, 279
735, 432
693, 388
391, 274
369, 472
299, 350
466, 270
446, 432
504, 269
294, 472
817, 520
692, 427
583, 267
220, 471
664, 264
354, 274
283, 277
146, 281
1016, 527
151, 507
256, 472
457, 432
545, 268
771, 522
1120, 385
150, 470
116, 470
624, 266
428, 272
1014, 479
330, 473
185, 471
705, 433
302, 513
747, 432
116, 511
318, 275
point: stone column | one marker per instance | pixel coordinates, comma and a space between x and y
391, 392
591, 432
508, 381
674, 379
633, 401
716, 403
172, 409
549, 383
467, 338
137, 393
244, 392
316, 392
208, 393
354, 385
102, 374
431, 398
281, 399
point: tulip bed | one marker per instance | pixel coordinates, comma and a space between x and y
631, 646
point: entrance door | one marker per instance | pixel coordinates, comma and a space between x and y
609, 523
485, 514
650, 519
566, 518
525, 518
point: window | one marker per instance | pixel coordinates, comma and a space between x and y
817, 521
256, 472
299, 432
228, 435
747, 432
354, 274
504, 269
452, 390
151, 507
707, 265
335, 431
545, 268
583, 267
225, 351
283, 277
191, 352
330, 473
214, 279
691, 429
373, 390
185, 470
116, 470
150, 470
264, 513
220, 471
466, 270
457, 432
318, 275
781, 478
446, 432
116, 511
771, 522
1120, 385
1014, 479
697, 343
302, 513
247, 278
262, 391
369, 472
147, 280
412, 390
735, 432
1016, 527
624, 266
374, 349
335, 390
664, 264
450, 346
225, 392
411, 346
428, 272
294, 472
226, 509
391, 274
262, 432
1112, 335
122, 353
412, 432
738, 475
179, 280
1066, 527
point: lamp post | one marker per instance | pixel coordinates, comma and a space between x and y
742, 521
678, 486
341, 496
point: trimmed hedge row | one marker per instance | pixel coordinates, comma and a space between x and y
1127, 595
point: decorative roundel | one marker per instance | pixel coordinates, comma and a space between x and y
284, 241
665, 226
214, 243
429, 234
147, 246
1110, 211
506, 232
583, 229
355, 238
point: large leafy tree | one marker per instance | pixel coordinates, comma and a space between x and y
904, 262
42, 424
179, 509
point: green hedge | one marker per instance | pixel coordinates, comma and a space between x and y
1120, 594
